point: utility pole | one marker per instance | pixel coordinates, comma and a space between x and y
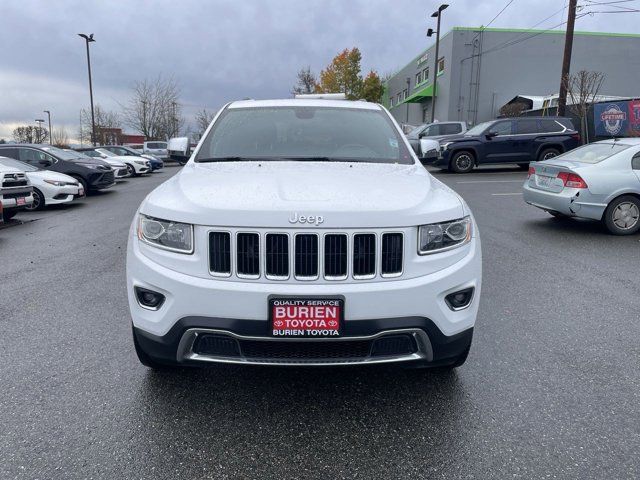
88, 39
566, 60
408, 95
50, 131
438, 15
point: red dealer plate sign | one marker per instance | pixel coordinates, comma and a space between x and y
305, 317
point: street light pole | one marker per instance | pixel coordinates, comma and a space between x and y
438, 15
50, 132
408, 95
39, 121
88, 39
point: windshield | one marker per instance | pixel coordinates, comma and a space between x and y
10, 162
478, 129
62, 154
593, 153
294, 133
106, 152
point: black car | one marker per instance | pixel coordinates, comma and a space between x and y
94, 174
514, 140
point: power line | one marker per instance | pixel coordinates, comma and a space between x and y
493, 19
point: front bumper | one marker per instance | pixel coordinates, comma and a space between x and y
101, 180
235, 308
574, 202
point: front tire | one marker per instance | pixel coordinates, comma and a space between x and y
38, 201
131, 170
462, 162
622, 216
547, 154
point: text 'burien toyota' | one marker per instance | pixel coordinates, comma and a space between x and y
303, 232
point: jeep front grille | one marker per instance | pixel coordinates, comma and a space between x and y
303, 256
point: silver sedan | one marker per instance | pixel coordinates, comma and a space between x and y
599, 181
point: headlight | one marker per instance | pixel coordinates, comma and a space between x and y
92, 166
165, 234
438, 237
140, 162
444, 146
58, 183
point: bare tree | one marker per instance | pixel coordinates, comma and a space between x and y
154, 110
30, 134
582, 90
512, 109
105, 120
203, 119
306, 81
59, 137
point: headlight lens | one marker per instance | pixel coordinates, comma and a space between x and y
444, 146
140, 162
57, 183
92, 166
174, 236
438, 237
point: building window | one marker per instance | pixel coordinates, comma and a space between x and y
418, 78
425, 74
399, 98
391, 101
440, 66
405, 94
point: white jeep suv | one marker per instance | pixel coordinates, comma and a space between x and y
303, 232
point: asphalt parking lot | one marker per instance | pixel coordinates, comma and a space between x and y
551, 388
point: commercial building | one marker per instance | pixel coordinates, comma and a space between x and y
479, 70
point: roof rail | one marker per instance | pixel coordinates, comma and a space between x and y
321, 96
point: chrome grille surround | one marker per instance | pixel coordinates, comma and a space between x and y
290, 255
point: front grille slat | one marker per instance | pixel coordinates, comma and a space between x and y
335, 256
220, 253
277, 255
306, 256
364, 255
248, 254
392, 248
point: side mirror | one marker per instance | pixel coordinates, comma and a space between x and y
491, 135
45, 163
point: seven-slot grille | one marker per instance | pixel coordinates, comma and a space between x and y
306, 256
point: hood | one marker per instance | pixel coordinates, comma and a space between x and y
91, 161
454, 138
252, 194
50, 175
124, 159
114, 162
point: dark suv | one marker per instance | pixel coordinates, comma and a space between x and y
514, 140
92, 173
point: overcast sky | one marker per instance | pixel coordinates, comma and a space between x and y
224, 50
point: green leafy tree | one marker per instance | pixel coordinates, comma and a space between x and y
342, 75
372, 88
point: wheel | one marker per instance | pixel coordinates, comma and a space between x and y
9, 214
622, 216
38, 200
548, 153
462, 162
131, 170
145, 359
83, 183
523, 166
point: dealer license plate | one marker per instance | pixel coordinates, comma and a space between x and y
306, 317
21, 201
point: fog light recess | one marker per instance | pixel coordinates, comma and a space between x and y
459, 300
148, 298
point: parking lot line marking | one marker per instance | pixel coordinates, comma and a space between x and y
505, 194
492, 181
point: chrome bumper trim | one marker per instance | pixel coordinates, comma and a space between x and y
185, 349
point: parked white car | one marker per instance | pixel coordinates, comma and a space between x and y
156, 148
134, 166
120, 170
16, 192
49, 187
321, 241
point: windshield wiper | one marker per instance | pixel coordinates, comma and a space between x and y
321, 159
231, 159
